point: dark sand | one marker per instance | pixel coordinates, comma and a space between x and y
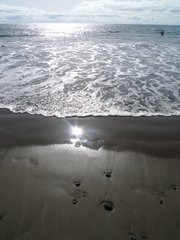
120, 180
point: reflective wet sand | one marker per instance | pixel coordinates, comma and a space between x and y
118, 179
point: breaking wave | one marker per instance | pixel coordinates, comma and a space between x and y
88, 70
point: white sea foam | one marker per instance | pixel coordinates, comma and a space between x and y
90, 70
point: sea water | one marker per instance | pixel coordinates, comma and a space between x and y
86, 69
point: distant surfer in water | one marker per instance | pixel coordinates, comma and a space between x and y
162, 32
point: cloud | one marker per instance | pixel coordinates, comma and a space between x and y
13, 14
100, 11
8, 10
118, 6
160, 11
175, 10
10, 13
134, 18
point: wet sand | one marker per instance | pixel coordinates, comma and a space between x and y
119, 180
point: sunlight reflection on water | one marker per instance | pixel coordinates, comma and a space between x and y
64, 29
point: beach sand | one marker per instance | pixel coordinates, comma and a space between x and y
119, 180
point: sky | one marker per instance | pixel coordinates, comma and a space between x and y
91, 11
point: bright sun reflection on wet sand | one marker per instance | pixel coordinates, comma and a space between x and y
76, 131
81, 138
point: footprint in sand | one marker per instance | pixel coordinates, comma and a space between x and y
74, 201
154, 191
33, 161
161, 201
77, 183
108, 205
79, 193
1, 217
174, 187
143, 237
132, 236
108, 174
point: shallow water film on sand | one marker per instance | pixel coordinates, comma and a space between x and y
84, 69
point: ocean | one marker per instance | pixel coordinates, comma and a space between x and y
90, 69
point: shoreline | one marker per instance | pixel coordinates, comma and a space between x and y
156, 135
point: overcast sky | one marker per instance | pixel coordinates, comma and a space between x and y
97, 11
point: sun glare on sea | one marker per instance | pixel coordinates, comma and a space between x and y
63, 29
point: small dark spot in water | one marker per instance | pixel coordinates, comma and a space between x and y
108, 205
33, 162
3, 46
1, 216
92, 144
121, 200
161, 201
77, 144
132, 236
74, 201
108, 174
77, 183
174, 187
